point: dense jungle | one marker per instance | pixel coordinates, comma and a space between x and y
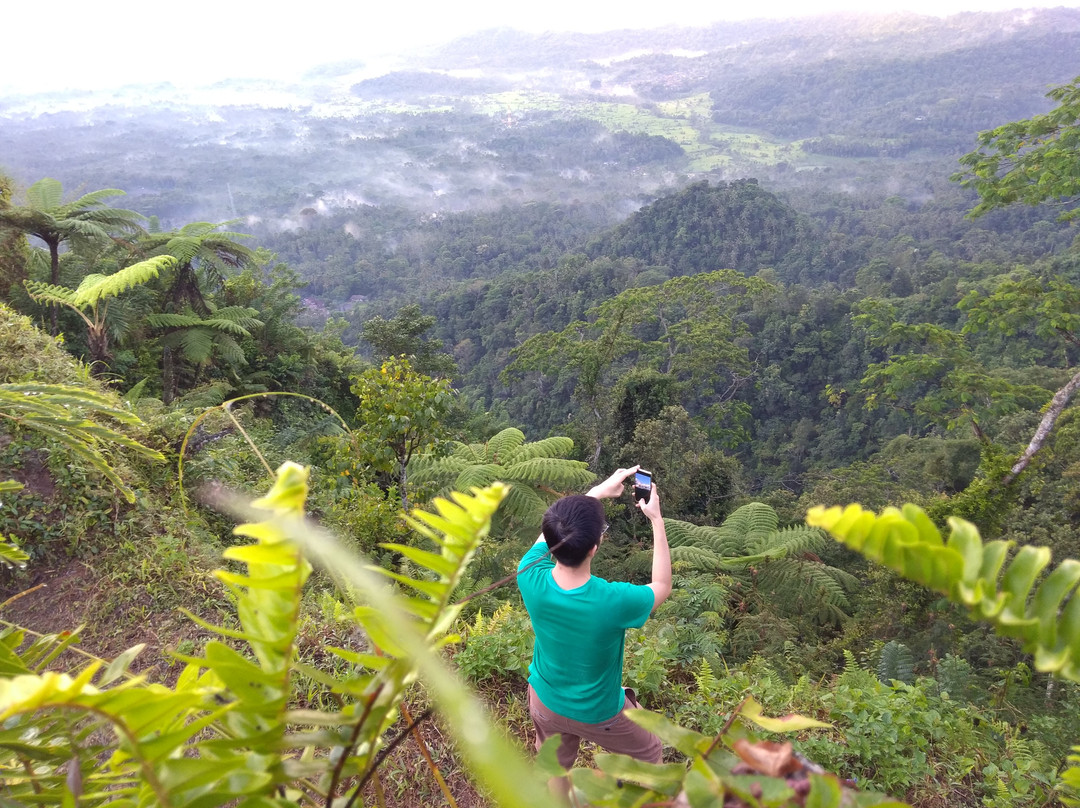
822, 278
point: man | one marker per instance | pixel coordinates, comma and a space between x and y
580, 622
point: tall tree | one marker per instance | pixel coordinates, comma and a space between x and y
1033, 161
686, 327
205, 255
400, 413
48, 218
402, 335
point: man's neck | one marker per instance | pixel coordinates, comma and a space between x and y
572, 577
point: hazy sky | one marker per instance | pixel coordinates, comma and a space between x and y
73, 44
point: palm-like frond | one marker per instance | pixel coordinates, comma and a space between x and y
60, 412
548, 447
169, 320
749, 540
477, 476
808, 587
522, 505
226, 326
697, 558
85, 230
501, 447
428, 468
229, 350
722, 541
468, 453
552, 472
95, 288
197, 344
94, 199
754, 518
790, 541
239, 315
534, 470
48, 293
45, 194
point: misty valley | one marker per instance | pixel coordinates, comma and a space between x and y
821, 277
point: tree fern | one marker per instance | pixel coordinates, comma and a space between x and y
91, 299
771, 561
501, 447
537, 475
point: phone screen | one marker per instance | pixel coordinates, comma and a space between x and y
643, 479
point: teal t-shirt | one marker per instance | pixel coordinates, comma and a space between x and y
577, 659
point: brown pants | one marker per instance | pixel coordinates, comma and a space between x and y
619, 734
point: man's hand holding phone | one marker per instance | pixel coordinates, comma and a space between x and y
613, 486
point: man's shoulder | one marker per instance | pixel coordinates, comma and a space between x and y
618, 587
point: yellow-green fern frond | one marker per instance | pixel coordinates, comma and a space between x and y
1044, 618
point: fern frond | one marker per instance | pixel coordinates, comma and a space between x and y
226, 326
523, 505
726, 543
476, 477
169, 320
501, 447
45, 194
704, 677
896, 663
48, 293
851, 664
95, 288
241, 315
805, 586
184, 250
230, 350
697, 558
469, 453
548, 447
197, 344
787, 542
94, 199
1044, 618
753, 518
552, 472
86, 231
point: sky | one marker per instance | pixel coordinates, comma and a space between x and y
109, 43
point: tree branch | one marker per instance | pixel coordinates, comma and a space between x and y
1057, 406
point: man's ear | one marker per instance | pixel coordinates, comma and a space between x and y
592, 552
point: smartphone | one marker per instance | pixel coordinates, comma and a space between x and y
642, 485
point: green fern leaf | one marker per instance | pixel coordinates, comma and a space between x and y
896, 663
476, 477
1044, 618
501, 447
555, 447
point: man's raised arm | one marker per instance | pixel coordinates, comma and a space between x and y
661, 559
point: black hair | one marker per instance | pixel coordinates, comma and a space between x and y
572, 526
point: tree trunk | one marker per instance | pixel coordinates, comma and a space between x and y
168, 374
54, 279
98, 342
1057, 406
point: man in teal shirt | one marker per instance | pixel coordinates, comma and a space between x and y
580, 622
